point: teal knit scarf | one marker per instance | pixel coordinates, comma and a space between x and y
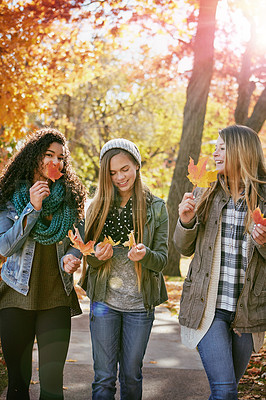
63, 215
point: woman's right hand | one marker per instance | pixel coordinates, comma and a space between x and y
104, 252
187, 208
38, 192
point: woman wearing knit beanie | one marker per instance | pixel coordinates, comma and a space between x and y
124, 278
40, 200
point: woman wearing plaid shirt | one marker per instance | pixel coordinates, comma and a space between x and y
223, 308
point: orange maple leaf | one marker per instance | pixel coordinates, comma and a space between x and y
258, 217
53, 172
131, 240
85, 249
108, 239
198, 174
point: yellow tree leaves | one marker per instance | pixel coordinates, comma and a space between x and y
198, 174
27, 55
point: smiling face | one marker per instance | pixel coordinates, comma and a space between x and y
123, 173
55, 153
219, 155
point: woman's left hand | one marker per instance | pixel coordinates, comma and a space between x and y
71, 263
259, 234
137, 252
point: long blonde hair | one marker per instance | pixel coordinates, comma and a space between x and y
244, 167
104, 200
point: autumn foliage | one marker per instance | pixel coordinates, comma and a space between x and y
198, 174
52, 171
258, 217
131, 242
106, 240
28, 62
85, 249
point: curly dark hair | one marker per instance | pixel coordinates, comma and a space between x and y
26, 161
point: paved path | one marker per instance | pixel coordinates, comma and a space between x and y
170, 371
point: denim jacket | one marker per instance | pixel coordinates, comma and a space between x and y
17, 245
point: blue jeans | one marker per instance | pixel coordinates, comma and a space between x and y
118, 337
225, 356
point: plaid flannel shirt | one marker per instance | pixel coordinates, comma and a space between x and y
233, 254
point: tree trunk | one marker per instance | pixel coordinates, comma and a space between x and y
258, 117
194, 115
246, 88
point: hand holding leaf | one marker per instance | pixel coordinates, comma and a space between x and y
258, 217
85, 249
52, 171
198, 174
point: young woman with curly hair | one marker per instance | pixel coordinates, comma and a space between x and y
223, 308
37, 297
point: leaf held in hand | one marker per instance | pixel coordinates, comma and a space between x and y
131, 240
85, 249
258, 217
52, 170
198, 174
108, 239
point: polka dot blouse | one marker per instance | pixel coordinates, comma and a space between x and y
119, 222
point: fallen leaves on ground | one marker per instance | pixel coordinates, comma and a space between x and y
3, 371
174, 290
253, 383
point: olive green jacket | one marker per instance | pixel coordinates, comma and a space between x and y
155, 238
200, 240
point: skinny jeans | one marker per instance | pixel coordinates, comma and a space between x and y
225, 356
118, 337
18, 329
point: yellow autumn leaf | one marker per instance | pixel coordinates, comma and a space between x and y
131, 240
108, 239
198, 174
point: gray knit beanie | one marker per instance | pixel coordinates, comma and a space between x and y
123, 144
